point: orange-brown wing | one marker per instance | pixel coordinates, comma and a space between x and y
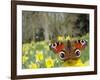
57, 46
80, 44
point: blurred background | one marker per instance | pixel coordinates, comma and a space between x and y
39, 26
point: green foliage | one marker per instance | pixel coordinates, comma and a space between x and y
85, 54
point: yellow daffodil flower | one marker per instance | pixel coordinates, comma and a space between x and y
24, 59
39, 56
68, 38
25, 49
33, 66
49, 62
76, 62
60, 38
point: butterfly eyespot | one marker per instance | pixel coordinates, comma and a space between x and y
54, 45
62, 55
83, 42
77, 53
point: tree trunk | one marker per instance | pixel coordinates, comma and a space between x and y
46, 32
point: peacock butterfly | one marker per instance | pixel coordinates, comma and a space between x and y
70, 49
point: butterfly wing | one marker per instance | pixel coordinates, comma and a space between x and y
57, 47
